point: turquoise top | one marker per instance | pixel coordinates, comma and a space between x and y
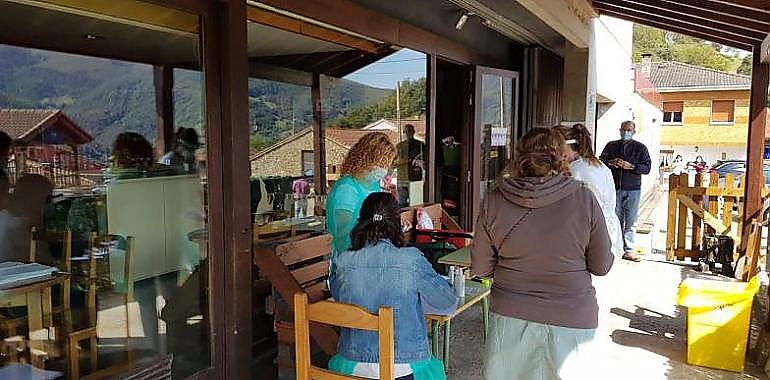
428, 369
343, 206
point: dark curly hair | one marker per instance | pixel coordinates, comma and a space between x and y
380, 219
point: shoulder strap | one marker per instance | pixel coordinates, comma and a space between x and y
516, 223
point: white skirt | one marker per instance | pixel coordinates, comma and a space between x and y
523, 350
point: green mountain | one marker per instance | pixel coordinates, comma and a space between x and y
106, 97
412, 97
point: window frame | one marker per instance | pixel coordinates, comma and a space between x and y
673, 114
302, 161
721, 123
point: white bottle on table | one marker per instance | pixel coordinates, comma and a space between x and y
459, 284
451, 275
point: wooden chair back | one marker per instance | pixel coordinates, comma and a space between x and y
341, 315
64, 264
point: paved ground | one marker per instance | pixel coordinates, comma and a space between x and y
641, 333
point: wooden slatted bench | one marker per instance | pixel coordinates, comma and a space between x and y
296, 264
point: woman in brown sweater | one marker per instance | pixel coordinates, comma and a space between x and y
540, 235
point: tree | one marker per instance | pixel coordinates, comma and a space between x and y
413, 103
746, 63
668, 46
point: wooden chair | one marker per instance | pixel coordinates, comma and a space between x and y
64, 264
100, 246
342, 315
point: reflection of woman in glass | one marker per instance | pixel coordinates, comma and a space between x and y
132, 155
363, 168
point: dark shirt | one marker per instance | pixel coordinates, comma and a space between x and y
412, 151
636, 154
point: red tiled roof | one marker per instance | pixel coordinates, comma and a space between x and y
24, 124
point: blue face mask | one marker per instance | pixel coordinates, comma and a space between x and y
376, 175
626, 135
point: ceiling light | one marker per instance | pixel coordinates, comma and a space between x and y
92, 37
462, 20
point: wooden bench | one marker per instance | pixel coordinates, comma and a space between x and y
294, 265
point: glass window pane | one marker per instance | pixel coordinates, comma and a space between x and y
111, 193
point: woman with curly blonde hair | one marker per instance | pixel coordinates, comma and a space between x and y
540, 235
363, 168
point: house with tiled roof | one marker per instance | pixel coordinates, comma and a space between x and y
293, 156
705, 111
45, 142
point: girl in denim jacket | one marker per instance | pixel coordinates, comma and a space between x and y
379, 271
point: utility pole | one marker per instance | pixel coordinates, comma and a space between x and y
398, 109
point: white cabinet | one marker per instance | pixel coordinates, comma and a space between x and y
158, 212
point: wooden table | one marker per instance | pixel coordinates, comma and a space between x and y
460, 258
475, 292
39, 304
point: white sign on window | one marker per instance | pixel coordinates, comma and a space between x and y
499, 136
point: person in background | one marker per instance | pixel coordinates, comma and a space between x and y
410, 155
409, 161
132, 154
363, 169
541, 235
6, 144
628, 160
23, 212
365, 276
587, 168
182, 157
300, 189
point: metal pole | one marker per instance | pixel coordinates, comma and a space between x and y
398, 110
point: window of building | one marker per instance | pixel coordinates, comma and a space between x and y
722, 111
307, 162
672, 112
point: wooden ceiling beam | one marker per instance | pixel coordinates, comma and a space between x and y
670, 20
356, 18
764, 50
727, 8
757, 4
713, 20
720, 39
289, 24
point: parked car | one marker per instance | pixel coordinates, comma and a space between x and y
737, 168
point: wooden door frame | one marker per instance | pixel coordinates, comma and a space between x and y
474, 150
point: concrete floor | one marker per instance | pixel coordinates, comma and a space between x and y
641, 331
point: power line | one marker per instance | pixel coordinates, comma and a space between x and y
400, 60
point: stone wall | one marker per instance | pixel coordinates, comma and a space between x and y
286, 159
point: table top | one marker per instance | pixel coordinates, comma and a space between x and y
460, 258
43, 283
474, 292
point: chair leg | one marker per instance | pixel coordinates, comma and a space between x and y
447, 333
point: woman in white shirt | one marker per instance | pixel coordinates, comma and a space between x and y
586, 167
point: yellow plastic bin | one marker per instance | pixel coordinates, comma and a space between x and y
718, 315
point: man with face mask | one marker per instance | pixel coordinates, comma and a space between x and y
629, 160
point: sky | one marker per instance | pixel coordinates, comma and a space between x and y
403, 64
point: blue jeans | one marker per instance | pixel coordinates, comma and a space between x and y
627, 209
